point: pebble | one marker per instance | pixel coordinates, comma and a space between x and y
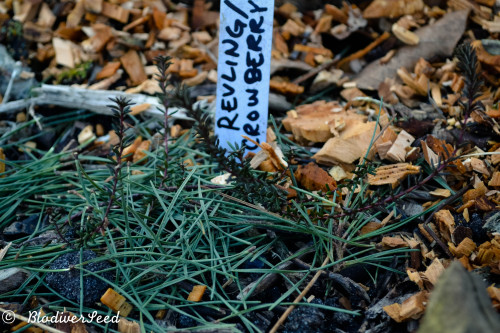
67, 283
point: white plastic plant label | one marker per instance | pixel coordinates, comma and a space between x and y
243, 71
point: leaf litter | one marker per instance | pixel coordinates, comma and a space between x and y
379, 172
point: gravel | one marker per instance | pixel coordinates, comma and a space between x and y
68, 283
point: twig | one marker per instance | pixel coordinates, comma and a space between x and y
316, 70
349, 286
285, 315
121, 109
13, 76
363, 52
262, 285
93, 100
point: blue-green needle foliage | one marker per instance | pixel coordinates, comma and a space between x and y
164, 235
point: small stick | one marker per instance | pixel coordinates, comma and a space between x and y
311, 73
13, 76
298, 299
363, 52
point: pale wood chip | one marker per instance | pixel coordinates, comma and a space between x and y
336, 13
108, 70
3, 251
310, 121
397, 152
406, 36
440, 193
495, 158
75, 16
128, 326
393, 242
196, 80
137, 109
434, 271
465, 248
115, 12
495, 179
414, 306
86, 134
293, 28
338, 173
392, 8
478, 191
414, 276
394, 311
133, 66
93, 6
479, 166
352, 144
46, 17
446, 223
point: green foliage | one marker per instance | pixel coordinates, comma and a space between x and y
249, 185
74, 75
473, 83
163, 235
97, 224
11, 35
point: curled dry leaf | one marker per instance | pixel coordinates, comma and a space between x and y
351, 145
313, 178
392, 174
270, 158
446, 223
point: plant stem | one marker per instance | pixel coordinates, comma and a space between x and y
121, 109
163, 63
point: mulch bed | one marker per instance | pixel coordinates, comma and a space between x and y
377, 189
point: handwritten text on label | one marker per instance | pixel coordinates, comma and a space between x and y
243, 71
